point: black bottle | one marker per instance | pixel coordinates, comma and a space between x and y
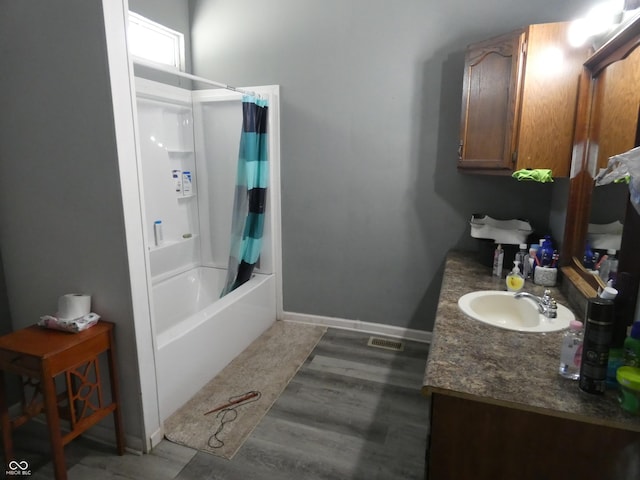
598, 332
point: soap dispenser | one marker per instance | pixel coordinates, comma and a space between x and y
515, 280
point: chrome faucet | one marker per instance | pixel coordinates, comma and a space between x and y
546, 304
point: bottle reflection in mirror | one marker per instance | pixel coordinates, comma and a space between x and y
607, 267
589, 260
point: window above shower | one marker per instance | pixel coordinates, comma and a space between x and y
153, 42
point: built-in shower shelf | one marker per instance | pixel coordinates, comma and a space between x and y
171, 243
178, 151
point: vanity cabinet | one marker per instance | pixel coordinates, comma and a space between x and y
499, 409
470, 438
519, 101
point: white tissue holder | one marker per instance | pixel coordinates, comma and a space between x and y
508, 232
605, 236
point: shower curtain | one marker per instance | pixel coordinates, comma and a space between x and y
247, 223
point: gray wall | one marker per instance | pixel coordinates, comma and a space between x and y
61, 214
5, 315
371, 94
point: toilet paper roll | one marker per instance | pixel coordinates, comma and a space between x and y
73, 305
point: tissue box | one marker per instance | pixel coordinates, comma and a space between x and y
69, 325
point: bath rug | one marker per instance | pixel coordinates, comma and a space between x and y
266, 366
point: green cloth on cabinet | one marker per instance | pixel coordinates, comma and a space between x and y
542, 175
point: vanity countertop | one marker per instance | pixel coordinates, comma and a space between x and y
473, 360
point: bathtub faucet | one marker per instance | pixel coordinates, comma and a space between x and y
546, 304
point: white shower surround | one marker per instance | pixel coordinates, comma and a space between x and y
196, 334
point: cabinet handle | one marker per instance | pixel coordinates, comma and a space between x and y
460, 151
514, 157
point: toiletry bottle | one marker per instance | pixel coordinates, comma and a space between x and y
587, 261
177, 180
597, 341
157, 232
538, 258
614, 362
515, 280
571, 351
605, 265
521, 256
187, 183
616, 349
530, 261
498, 259
613, 268
545, 252
631, 349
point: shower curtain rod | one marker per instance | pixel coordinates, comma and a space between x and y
162, 68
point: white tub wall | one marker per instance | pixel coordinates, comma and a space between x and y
160, 155
188, 362
218, 122
182, 296
173, 258
165, 125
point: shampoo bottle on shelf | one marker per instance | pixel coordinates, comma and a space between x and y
177, 181
498, 259
187, 183
157, 232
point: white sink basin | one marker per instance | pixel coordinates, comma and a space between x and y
502, 309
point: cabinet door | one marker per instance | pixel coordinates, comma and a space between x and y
490, 98
549, 86
480, 441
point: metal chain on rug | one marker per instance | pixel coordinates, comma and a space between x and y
229, 413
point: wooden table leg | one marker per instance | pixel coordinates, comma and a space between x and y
115, 395
53, 424
5, 423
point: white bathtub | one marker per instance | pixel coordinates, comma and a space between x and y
198, 333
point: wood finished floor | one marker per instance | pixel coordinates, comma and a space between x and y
351, 412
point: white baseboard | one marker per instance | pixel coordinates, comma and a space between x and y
156, 437
360, 326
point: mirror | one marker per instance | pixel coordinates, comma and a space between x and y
606, 220
614, 122
607, 125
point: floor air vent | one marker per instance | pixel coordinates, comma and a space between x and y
378, 342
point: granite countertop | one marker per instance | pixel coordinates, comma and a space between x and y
478, 361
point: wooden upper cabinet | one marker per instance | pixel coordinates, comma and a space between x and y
519, 100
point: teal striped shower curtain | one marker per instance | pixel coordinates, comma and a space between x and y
247, 222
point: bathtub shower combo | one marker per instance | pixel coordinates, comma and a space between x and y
190, 139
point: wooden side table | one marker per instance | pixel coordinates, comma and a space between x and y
39, 355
